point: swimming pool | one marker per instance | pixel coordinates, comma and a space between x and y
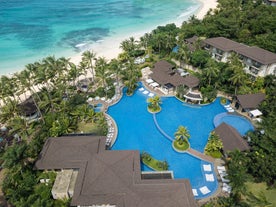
241, 124
97, 107
137, 131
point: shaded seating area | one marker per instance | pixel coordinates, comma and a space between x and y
255, 115
223, 176
193, 96
249, 102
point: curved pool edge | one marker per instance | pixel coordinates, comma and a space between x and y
217, 120
214, 185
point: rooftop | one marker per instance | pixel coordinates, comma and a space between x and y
250, 101
111, 177
163, 73
231, 138
223, 43
258, 54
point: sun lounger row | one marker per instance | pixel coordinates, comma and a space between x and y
146, 92
223, 174
229, 108
226, 188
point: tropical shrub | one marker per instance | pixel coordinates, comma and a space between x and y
157, 165
214, 146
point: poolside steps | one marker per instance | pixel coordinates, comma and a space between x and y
200, 155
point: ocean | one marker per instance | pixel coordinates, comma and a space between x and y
33, 29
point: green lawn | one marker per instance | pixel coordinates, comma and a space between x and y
181, 147
258, 188
154, 164
88, 128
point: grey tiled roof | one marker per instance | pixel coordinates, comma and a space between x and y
223, 43
231, 138
163, 73
250, 101
111, 177
258, 54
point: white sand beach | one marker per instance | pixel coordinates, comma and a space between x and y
206, 6
110, 47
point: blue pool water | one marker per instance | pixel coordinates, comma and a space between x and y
98, 107
241, 124
137, 131
33, 29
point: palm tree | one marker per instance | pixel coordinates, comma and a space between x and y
237, 173
115, 67
239, 76
182, 134
238, 79
211, 71
154, 102
88, 57
9, 110
128, 45
102, 71
183, 54
25, 79
144, 42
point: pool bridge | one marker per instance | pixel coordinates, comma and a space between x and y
161, 130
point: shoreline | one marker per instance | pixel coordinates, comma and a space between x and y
109, 47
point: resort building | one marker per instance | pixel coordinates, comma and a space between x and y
249, 102
191, 43
220, 48
93, 176
257, 61
270, 2
231, 139
169, 78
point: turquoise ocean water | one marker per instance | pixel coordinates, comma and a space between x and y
33, 29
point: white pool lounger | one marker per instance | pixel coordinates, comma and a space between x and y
207, 168
151, 94
209, 177
195, 192
204, 190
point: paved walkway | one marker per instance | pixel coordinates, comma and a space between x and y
200, 155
